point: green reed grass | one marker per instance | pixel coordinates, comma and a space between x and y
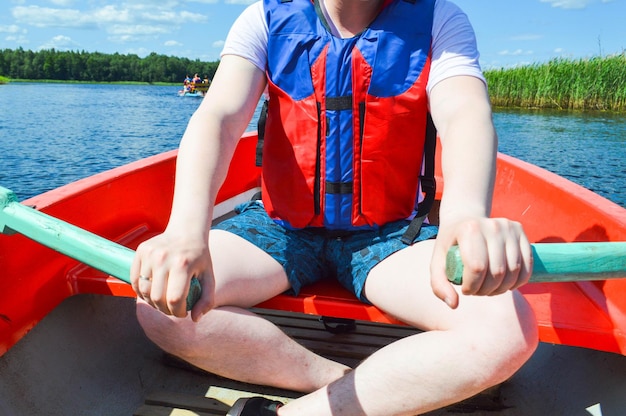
585, 84
3, 80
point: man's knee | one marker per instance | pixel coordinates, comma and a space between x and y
172, 335
514, 337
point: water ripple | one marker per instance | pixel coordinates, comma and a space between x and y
53, 134
589, 149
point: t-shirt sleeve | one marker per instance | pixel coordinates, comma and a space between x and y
454, 49
247, 37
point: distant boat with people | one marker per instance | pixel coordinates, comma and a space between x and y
194, 87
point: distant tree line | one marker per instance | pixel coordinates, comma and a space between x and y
99, 67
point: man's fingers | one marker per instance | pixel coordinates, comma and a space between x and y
207, 299
444, 290
441, 286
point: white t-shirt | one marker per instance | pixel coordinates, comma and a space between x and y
454, 50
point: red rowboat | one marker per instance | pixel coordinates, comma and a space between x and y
132, 203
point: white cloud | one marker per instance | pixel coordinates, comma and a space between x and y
123, 22
20, 40
9, 29
527, 37
59, 42
48, 17
15, 34
573, 4
108, 14
190, 17
218, 44
140, 30
244, 2
516, 52
568, 4
172, 43
63, 3
139, 51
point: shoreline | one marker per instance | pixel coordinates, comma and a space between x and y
59, 81
590, 85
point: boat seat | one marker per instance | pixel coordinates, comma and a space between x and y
325, 298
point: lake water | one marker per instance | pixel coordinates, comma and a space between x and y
53, 134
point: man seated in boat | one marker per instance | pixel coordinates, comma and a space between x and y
350, 83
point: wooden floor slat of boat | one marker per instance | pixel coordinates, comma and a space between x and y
349, 348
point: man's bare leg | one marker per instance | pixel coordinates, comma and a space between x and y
233, 342
478, 345
467, 350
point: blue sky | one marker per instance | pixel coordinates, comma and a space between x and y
510, 32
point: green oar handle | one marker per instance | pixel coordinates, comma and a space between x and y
562, 262
84, 246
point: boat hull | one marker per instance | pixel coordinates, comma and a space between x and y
196, 94
132, 203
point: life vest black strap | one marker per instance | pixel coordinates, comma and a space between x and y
261, 133
428, 184
415, 226
339, 103
317, 184
339, 187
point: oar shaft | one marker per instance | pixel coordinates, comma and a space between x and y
84, 246
553, 262
563, 262
68, 239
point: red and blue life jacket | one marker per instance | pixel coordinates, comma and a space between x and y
345, 128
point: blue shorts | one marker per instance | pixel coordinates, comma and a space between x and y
309, 255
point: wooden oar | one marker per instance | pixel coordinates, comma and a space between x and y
562, 262
84, 246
